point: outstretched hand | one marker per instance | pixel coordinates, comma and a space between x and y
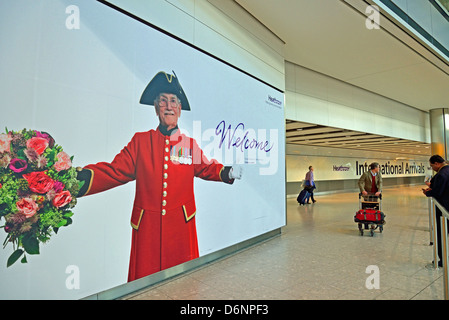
236, 172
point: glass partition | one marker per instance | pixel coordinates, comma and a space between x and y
428, 19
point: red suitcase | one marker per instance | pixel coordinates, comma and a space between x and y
369, 215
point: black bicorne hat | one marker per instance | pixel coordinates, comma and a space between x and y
164, 83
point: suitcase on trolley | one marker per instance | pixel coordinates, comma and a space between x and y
302, 196
370, 215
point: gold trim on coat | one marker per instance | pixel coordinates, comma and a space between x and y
136, 226
219, 174
91, 180
187, 216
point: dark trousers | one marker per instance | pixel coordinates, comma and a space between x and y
311, 196
310, 191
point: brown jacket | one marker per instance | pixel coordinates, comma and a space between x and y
366, 181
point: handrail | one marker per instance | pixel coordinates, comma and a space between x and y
444, 242
443, 209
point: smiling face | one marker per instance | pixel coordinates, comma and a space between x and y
168, 109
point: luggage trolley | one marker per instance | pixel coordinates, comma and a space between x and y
370, 215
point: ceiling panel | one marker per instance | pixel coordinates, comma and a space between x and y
301, 133
330, 37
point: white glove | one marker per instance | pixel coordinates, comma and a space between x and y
235, 172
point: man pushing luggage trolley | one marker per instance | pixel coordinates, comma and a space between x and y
370, 213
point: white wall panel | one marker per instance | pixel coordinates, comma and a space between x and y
319, 99
311, 109
168, 15
222, 28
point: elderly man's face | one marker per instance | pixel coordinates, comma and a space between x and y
168, 110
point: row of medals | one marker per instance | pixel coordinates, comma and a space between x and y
184, 158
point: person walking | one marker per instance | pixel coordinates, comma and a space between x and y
310, 184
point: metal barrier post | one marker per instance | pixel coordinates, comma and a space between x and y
444, 253
435, 241
444, 246
431, 222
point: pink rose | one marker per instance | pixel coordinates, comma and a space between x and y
61, 199
63, 162
27, 207
38, 144
5, 140
39, 182
18, 165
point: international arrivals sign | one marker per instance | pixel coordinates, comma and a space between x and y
339, 168
389, 168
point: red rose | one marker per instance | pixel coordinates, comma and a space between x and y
61, 199
38, 144
39, 182
27, 207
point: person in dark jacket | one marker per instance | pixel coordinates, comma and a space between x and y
439, 189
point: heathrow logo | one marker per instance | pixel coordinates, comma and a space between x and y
274, 102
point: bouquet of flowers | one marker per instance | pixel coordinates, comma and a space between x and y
38, 189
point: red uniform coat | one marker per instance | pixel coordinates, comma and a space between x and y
163, 215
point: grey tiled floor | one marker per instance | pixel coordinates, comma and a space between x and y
320, 255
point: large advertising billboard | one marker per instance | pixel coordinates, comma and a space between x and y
124, 151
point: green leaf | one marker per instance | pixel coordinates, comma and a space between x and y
62, 223
24, 259
13, 257
21, 154
52, 155
31, 245
68, 214
8, 236
69, 222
